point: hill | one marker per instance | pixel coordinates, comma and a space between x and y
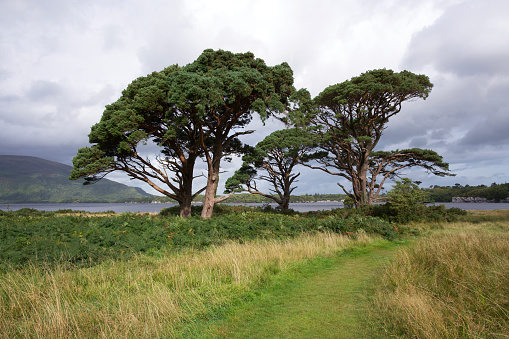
26, 179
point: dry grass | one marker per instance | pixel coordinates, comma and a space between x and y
450, 285
147, 297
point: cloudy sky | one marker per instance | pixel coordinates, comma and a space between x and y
62, 61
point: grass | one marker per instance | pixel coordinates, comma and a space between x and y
323, 298
148, 296
452, 284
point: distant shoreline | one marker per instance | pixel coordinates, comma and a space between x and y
155, 208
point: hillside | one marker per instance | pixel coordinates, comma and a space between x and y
26, 179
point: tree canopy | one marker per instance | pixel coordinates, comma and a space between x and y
188, 112
350, 117
276, 156
223, 90
145, 114
165, 122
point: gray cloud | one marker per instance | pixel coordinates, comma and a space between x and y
492, 130
469, 39
44, 90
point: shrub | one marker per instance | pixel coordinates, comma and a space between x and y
87, 240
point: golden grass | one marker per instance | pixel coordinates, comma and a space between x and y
449, 285
147, 296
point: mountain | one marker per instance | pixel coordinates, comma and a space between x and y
26, 179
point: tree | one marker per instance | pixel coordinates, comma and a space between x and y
222, 90
389, 164
350, 117
276, 155
144, 113
188, 112
406, 199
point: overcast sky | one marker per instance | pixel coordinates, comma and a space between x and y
62, 61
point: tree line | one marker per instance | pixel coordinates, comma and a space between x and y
495, 192
253, 198
199, 111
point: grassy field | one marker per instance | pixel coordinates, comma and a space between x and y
193, 277
149, 296
450, 284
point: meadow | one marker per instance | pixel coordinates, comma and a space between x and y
82, 275
451, 283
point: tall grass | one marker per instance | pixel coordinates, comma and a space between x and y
450, 285
148, 296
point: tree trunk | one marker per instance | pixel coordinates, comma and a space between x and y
185, 206
210, 192
285, 204
186, 188
285, 199
361, 191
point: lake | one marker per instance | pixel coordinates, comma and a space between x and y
154, 208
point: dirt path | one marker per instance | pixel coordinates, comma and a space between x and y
326, 300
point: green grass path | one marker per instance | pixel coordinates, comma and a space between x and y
325, 298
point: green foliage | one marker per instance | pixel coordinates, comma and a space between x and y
413, 157
349, 119
47, 238
187, 112
495, 192
276, 156
406, 200
423, 213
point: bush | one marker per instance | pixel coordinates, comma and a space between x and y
87, 240
355, 223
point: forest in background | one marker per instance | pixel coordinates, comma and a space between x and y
495, 192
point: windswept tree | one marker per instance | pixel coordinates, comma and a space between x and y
145, 115
223, 90
194, 111
350, 117
276, 156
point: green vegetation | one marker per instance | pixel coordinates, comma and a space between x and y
29, 179
495, 192
276, 156
449, 285
325, 297
348, 120
199, 111
406, 200
76, 274
47, 238
149, 296
92, 275
185, 113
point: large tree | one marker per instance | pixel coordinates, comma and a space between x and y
223, 90
350, 118
143, 115
276, 156
191, 111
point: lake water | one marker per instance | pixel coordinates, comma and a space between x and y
154, 208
